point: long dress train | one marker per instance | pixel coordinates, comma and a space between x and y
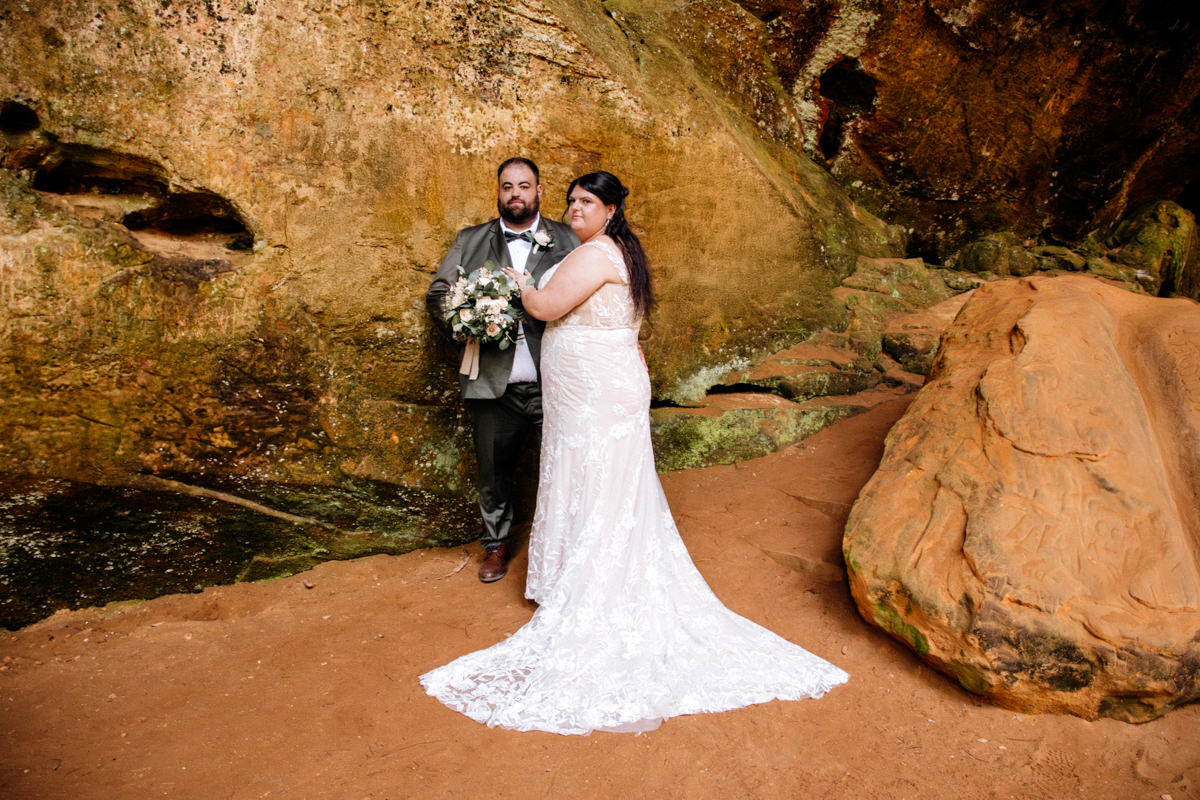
626, 632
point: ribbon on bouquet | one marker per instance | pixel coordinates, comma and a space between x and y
470, 359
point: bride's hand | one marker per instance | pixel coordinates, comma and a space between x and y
520, 278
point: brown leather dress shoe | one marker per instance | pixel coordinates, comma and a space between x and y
495, 564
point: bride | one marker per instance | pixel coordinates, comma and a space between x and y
626, 632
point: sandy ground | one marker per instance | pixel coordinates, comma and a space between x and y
307, 687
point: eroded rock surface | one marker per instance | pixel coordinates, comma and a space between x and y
884, 346
960, 117
1154, 247
1034, 527
219, 220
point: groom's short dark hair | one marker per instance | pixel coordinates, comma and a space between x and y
537, 176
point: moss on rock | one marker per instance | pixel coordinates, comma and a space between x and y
890, 619
685, 440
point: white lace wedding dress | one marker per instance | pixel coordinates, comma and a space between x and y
626, 632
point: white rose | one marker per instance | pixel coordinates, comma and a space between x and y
465, 315
493, 329
542, 238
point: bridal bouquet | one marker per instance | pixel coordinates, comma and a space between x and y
484, 307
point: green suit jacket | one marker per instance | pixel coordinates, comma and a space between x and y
472, 247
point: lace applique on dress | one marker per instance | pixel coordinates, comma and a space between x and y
626, 633
610, 306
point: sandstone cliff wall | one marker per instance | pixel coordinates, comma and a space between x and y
220, 217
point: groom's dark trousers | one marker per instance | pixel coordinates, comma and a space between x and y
500, 428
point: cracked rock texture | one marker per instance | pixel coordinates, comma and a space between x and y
1034, 527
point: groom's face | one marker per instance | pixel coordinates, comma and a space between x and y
518, 195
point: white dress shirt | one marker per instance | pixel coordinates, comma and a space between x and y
523, 368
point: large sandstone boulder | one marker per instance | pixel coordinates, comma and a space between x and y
1034, 527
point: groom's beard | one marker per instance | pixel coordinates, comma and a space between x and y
518, 213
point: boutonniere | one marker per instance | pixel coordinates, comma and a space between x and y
542, 238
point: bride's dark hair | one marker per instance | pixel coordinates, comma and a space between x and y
611, 192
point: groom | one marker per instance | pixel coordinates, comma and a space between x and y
504, 400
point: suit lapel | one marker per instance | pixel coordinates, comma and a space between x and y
497, 247
533, 265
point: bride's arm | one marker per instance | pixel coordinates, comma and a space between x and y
579, 275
